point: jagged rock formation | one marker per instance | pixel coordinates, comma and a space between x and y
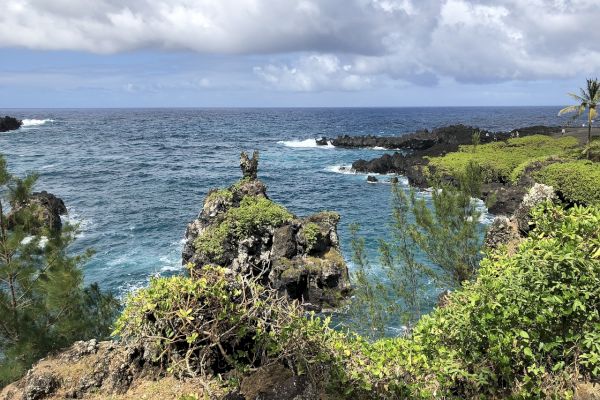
509, 231
9, 123
47, 209
240, 228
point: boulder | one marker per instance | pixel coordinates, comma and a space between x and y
322, 141
299, 257
9, 124
372, 179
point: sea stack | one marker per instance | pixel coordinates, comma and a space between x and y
241, 229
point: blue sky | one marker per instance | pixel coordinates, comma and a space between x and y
264, 53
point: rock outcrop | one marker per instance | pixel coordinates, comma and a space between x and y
47, 209
9, 123
240, 228
509, 231
110, 370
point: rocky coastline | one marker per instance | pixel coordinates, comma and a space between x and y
412, 160
9, 123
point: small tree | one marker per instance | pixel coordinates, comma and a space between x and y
438, 243
587, 100
43, 304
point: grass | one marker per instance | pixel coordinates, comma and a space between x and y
498, 160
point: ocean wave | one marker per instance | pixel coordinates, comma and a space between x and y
305, 144
36, 122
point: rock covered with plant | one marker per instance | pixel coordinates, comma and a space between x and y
241, 229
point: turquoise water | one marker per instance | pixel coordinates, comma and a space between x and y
133, 178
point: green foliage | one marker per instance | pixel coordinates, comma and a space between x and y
255, 212
211, 241
224, 195
310, 233
518, 172
527, 327
206, 323
499, 159
529, 318
43, 303
446, 232
578, 181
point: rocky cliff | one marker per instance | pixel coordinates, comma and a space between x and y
241, 229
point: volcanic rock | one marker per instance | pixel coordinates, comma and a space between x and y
9, 124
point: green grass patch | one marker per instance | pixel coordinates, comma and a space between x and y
498, 160
578, 181
310, 233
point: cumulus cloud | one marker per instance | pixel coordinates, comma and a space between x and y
314, 73
337, 44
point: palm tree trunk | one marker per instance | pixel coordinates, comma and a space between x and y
589, 140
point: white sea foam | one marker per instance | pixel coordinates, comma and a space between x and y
341, 169
305, 144
36, 122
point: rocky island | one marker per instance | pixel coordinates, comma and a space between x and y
9, 123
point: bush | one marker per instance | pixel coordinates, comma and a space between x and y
528, 326
578, 181
310, 233
499, 159
211, 241
255, 212
204, 324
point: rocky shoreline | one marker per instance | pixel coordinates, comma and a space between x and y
411, 162
9, 124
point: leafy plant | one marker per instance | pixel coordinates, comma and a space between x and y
587, 100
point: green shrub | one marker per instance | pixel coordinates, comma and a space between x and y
255, 212
310, 233
206, 323
212, 240
499, 159
578, 181
531, 319
225, 195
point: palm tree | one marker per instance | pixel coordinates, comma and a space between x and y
589, 99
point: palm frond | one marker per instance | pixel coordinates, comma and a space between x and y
593, 112
572, 109
577, 98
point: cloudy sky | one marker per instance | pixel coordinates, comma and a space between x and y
103, 53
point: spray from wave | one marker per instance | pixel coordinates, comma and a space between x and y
36, 122
305, 144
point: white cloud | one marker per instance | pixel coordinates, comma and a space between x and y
407, 40
313, 73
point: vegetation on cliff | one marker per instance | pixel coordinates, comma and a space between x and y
43, 303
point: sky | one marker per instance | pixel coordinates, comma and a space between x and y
302, 53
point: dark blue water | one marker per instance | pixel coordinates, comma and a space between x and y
134, 178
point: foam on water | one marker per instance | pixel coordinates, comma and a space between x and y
305, 144
35, 122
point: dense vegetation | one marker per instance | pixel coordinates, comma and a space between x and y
577, 180
43, 303
499, 159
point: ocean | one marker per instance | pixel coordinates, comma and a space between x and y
133, 178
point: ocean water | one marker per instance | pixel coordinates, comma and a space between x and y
133, 178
